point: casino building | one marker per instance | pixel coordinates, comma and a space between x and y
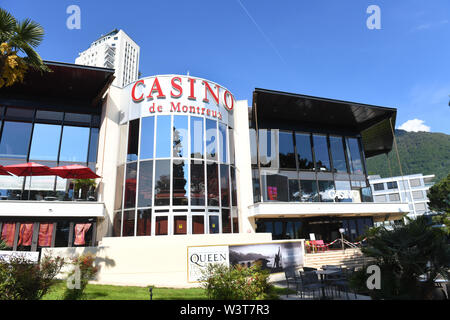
182, 162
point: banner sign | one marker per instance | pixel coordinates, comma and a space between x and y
32, 257
273, 256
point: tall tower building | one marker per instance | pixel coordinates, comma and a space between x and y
114, 50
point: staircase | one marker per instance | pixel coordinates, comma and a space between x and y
351, 258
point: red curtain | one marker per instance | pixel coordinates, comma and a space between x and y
25, 234
8, 231
80, 232
45, 234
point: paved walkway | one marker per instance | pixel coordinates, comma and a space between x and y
309, 296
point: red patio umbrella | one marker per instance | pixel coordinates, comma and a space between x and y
74, 171
29, 169
3, 172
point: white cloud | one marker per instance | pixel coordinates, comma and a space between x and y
414, 125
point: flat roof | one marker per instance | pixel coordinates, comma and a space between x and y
276, 109
76, 84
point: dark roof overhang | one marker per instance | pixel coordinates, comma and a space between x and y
70, 84
275, 109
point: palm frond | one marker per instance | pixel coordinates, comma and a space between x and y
33, 59
29, 31
7, 25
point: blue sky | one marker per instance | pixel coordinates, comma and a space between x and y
321, 48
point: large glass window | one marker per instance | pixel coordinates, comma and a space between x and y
321, 153
198, 224
93, 145
226, 221
223, 142
354, 155
233, 186
162, 183
304, 153
62, 234
133, 140
147, 136
211, 139
326, 191
267, 144
145, 184
74, 145
196, 137
163, 136
15, 140
45, 142
180, 136
337, 153
213, 184
286, 150
161, 226
213, 224
130, 185
308, 189
197, 183
180, 182
128, 223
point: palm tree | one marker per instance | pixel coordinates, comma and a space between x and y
22, 37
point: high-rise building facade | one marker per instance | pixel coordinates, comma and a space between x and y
115, 50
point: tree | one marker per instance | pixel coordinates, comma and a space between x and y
439, 196
17, 42
405, 254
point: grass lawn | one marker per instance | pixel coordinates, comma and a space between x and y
108, 292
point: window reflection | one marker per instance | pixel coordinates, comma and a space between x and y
162, 183
326, 191
308, 190
196, 137
161, 227
321, 153
213, 224
225, 185
147, 135
45, 142
15, 140
130, 185
338, 155
163, 136
74, 145
128, 223
226, 221
304, 153
223, 142
211, 139
144, 222
354, 155
133, 140
286, 150
213, 184
93, 145
198, 224
180, 183
180, 136
197, 183
145, 183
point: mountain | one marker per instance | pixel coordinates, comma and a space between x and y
420, 152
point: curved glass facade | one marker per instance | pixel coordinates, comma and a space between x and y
176, 175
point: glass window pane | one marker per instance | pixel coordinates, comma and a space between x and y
8, 232
144, 222
343, 191
198, 224
308, 189
93, 145
163, 136
213, 184
233, 187
338, 155
211, 139
294, 191
276, 187
45, 142
231, 137
196, 137
223, 142
226, 221
147, 135
197, 183
130, 185
133, 140
267, 146
225, 185
25, 236
180, 136
49, 115
145, 183
304, 153
74, 145
180, 183
213, 224
286, 150
62, 234
179, 225
253, 150
15, 140
161, 227
162, 183
321, 153
117, 224
128, 223
235, 219
77, 117
19, 113
354, 155
326, 191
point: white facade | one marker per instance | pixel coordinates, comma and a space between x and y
115, 50
411, 189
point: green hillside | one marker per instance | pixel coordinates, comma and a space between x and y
420, 152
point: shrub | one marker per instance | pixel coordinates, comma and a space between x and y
23, 280
84, 270
235, 282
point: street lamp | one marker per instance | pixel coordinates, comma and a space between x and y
150, 290
342, 230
